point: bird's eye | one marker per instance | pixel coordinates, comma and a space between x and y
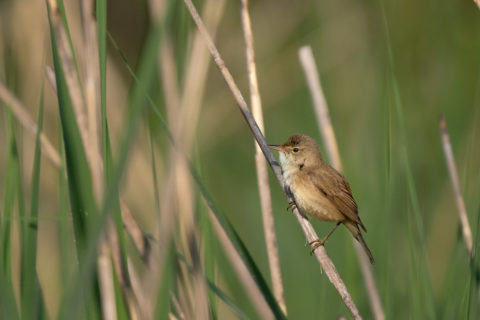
295, 149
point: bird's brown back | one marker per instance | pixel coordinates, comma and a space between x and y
335, 188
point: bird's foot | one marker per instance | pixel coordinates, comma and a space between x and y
317, 243
291, 205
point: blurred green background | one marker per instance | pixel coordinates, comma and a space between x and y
388, 70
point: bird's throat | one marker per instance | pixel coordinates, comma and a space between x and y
288, 168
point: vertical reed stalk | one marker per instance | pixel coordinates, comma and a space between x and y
321, 109
261, 164
452, 170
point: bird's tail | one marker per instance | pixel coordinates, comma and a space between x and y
353, 228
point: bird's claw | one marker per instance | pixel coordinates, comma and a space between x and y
291, 205
316, 243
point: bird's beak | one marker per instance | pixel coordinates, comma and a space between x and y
276, 147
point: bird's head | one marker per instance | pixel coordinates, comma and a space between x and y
298, 151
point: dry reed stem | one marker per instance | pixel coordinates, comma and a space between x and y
328, 134
26, 120
185, 296
452, 169
477, 2
196, 74
92, 94
321, 109
177, 307
137, 288
171, 316
320, 252
246, 278
104, 267
133, 229
261, 164
121, 269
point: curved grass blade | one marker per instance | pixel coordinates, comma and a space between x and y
32, 303
79, 178
8, 305
472, 305
84, 212
420, 276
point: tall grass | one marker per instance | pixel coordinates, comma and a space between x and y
174, 152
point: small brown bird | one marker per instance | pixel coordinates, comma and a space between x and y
318, 189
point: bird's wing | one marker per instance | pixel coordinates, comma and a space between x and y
336, 189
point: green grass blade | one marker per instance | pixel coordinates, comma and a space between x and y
64, 227
209, 252
154, 170
8, 305
474, 294
32, 304
420, 277
79, 178
63, 14
82, 202
101, 13
163, 305
122, 313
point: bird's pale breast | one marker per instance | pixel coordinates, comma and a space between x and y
309, 199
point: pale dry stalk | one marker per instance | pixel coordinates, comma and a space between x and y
104, 267
320, 252
26, 120
452, 169
92, 94
241, 270
320, 104
121, 269
261, 164
177, 307
328, 134
137, 287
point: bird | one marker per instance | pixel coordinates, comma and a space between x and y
319, 190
